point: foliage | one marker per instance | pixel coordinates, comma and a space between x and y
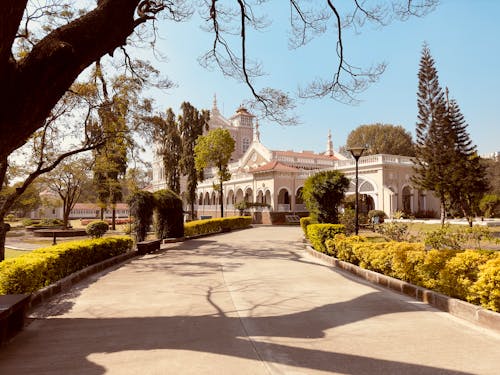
382, 139
348, 219
168, 213
318, 234
322, 193
376, 213
97, 229
445, 238
207, 226
394, 231
486, 290
493, 174
471, 275
215, 149
38, 268
446, 159
490, 205
66, 180
192, 123
305, 222
141, 205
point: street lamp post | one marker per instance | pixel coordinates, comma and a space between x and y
356, 153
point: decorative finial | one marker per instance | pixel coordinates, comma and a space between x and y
329, 145
257, 132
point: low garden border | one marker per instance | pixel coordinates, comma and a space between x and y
458, 308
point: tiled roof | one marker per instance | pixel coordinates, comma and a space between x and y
274, 166
310, 155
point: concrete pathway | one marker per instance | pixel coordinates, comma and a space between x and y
246, 302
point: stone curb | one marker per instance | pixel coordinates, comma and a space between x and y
66, 283
461, 309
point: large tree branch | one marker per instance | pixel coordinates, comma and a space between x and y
55, 62
11, 14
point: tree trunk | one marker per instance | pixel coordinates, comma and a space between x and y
102, 213
113, 219
443, 213
3, 233
221, 200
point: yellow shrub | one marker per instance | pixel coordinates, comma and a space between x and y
486, 290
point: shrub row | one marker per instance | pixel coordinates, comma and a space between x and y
471, 275
32, 271
118, 221
198, 227
318, 234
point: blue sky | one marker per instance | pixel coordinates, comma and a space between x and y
463, 37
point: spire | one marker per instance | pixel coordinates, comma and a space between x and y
329, 145
256, 135
215, 110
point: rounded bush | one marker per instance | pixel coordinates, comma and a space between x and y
96, 229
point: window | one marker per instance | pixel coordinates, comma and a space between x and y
246, 144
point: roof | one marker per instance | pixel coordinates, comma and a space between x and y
304, 154
274, 166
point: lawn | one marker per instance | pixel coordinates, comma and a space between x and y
11, 253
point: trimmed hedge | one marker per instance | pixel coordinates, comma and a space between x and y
199, 227
39, 268
305, 222
318, 234
96, 229
471, 275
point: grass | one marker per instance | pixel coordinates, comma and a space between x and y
11, 253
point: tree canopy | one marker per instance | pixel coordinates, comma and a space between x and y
382, 139
214, 149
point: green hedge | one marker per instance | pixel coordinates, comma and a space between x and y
32, 271
471, 275
318, 234
305, 222
198, 227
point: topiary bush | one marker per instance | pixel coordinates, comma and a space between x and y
376, 213
168, 214
323, 193
318, 234
97, 229
141, 204
38, 268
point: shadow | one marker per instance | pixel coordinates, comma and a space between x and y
61, 345
217, 334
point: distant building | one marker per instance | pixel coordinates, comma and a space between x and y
276, 177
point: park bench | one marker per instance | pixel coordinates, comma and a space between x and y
146, 247
292, 219
12, 312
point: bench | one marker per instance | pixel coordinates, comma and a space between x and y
146, 247
292, 219
12, 312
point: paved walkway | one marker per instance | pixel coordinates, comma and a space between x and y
246, 302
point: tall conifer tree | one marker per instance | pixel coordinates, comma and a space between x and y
435, 143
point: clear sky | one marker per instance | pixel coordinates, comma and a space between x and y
463, 37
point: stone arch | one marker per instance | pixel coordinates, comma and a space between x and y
200, 199
298, 196
284, 199
206, 200
213, 198
230, 197
267, 197
248, 194
260, 197
239, 196
407, 198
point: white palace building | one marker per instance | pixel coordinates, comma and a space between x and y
274, 178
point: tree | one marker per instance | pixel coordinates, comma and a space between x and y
45, 47
215, 149
470, 182
66, 181
435, 154
28, 201
169, 147
382, 139
323, 193
446, 159
192, 123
